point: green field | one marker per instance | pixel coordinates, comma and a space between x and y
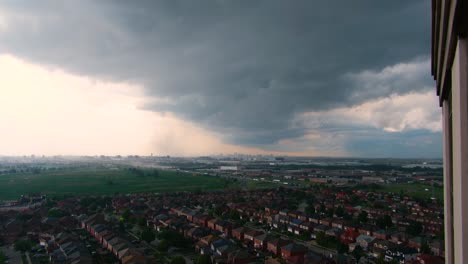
417, 190
102, 181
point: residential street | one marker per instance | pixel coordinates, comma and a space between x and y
13, 256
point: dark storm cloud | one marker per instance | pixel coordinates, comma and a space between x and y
241, 67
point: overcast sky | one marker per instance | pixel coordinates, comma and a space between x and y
326, 78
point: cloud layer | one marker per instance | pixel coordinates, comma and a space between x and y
245, 70
74, 115
397, 113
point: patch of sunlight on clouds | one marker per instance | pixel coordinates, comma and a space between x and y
396, 113
49, 111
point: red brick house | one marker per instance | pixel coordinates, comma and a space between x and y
366, 230
93, 220
201, 220
100, 235
302, 217
241, 257
239, 232
326, 222
292, 250
212, 223
207, 240
349, 236
399, 237
225, 227
12, 231
274, 246
106, 239
250, 235
338, 223
381, 234
428, 259
416, 242
307, 226
314, 219
261, 241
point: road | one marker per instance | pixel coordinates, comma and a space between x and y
13, 256
187, 260
28, 258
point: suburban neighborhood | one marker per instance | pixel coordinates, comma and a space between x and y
320, 223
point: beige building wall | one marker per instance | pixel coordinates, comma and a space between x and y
448, 183
450, 70
460, 151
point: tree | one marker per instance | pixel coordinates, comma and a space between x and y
305, 236
55, 212
339, 211
381, 260
342, 248
292, 206
358, 252
178, 260
311, 199
322, 208
121, 227
163, 246
310, 209
326, 241
147, 235
141, 221
384, 222
234, 215
319, 237
347, 217
23, 245
24, 217
415, 228
126, 215
354, 199
218, 211
425, 248
174, 239
441, 234
403, 210
203, 259
363, 217
240, 199
3, 257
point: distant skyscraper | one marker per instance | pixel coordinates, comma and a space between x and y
450, 70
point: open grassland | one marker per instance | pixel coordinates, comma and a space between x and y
417, 190
103, 181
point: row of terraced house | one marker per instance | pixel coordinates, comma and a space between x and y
121, 248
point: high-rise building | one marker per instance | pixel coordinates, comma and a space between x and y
450, 70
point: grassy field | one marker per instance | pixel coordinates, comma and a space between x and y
414, 189
262, 184
102, 181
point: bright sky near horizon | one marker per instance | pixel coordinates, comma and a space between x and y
75, 115
92, 78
